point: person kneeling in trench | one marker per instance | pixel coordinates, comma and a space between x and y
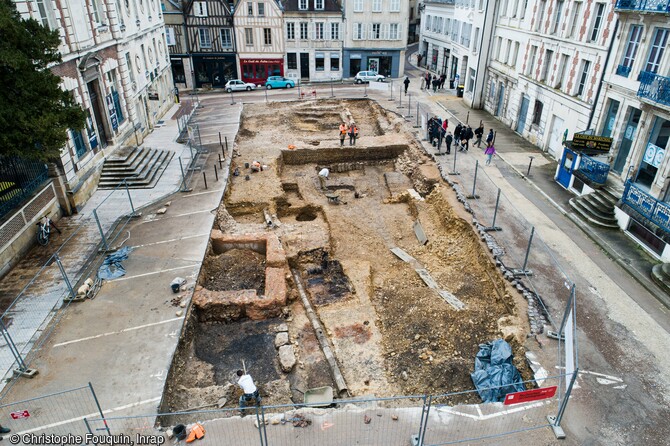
249, 389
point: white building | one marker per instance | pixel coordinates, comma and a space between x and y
116, 66
260, 39
455, 40
634, 110
375, 36
546, 67
313, 34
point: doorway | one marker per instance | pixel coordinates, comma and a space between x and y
564, 174
354, 67
627, 140
501, 99
523, 112
98, 116
304, 65
556, 137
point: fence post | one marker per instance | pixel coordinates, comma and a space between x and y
216, 173
232, 98
332, 93
102, 234
365, 89
391, 90
474, 182
523, 271
493, 226
400, 105
132, 208
260, 419
65, 278
88, 426
425, 411
454, 171
183, 177
12, 347
197, 126
97, 403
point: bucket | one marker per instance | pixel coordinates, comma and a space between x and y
179, 431
175, 289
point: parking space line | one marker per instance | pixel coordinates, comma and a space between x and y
139, 327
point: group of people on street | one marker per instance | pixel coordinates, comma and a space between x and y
438, 132
434, 81
348, 129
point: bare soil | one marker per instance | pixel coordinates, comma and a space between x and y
391, 334
236, 269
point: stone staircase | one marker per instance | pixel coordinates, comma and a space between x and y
597, 208
140, 167
660, 274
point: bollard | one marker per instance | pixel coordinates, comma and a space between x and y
266, 95
400, 106
221, 143
216, 173
204, 177
391, 90
224, 155
220, 163
530, 164
332, 93
365, 91
467, 118
232, 99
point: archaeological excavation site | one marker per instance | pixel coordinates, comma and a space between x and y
376, 286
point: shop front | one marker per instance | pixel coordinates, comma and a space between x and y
213, 71
258, 70
383, 62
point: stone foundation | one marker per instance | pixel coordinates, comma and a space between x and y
224, 306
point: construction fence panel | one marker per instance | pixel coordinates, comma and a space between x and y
379, 421
451, 423
62, 413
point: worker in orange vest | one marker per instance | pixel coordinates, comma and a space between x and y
343, 133
353, 134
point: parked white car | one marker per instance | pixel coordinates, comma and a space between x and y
238, 85
368, 76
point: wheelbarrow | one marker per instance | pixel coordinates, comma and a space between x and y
318, 397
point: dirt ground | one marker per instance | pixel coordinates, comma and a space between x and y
391, 334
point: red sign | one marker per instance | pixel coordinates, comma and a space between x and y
19, 415
530, 395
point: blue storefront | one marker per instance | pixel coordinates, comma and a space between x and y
386, 62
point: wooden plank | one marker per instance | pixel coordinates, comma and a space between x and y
427, 278
402, 255
451, 299
420, 234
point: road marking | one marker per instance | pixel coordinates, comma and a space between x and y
173, 240
482, 417
202, 193
154, 272
139, 327
602, 375
90, 416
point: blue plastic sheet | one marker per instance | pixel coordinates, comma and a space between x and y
495, 376
111, 267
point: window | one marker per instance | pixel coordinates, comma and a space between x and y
358, 31
358, 5
557, 17
394, 31
319, 62
508, 51
437, 25
334, 61
456, 26
497, 48
226, 38
376, 31
319, 30
515, 8
169, 36
540, 15
261, 9
302, 5
376, 5
429, 20
577, 9
523, 9
537, 112
303, 31
290, 31
597, 21
250, 8
631, 48
531, 60
394, 6
200, 9
548, 56
658, 44
292, 61
582, 78
471, 80
475, 41
335, 31
561, 70
318, 4
44, 10
249, 36
204, 38
503, 8
515, 54
97, 16
267, 36
130, 68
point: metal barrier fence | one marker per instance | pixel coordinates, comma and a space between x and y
61, 413
418, 420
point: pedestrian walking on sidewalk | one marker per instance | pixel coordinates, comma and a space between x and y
250, 391
448, 141
489, 137
440, 138
479, 132
436, 83
457, 136
406, 82
489, 152
418, 59
467, 135
443, 79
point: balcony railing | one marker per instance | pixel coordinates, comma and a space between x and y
593, 170
623, 70
644, 5
656, 211
654, 87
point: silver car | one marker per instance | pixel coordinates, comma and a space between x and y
238, 85
369, 76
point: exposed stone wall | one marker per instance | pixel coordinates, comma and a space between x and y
340, 155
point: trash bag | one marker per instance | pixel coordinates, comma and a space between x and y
495, 376
111, 267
